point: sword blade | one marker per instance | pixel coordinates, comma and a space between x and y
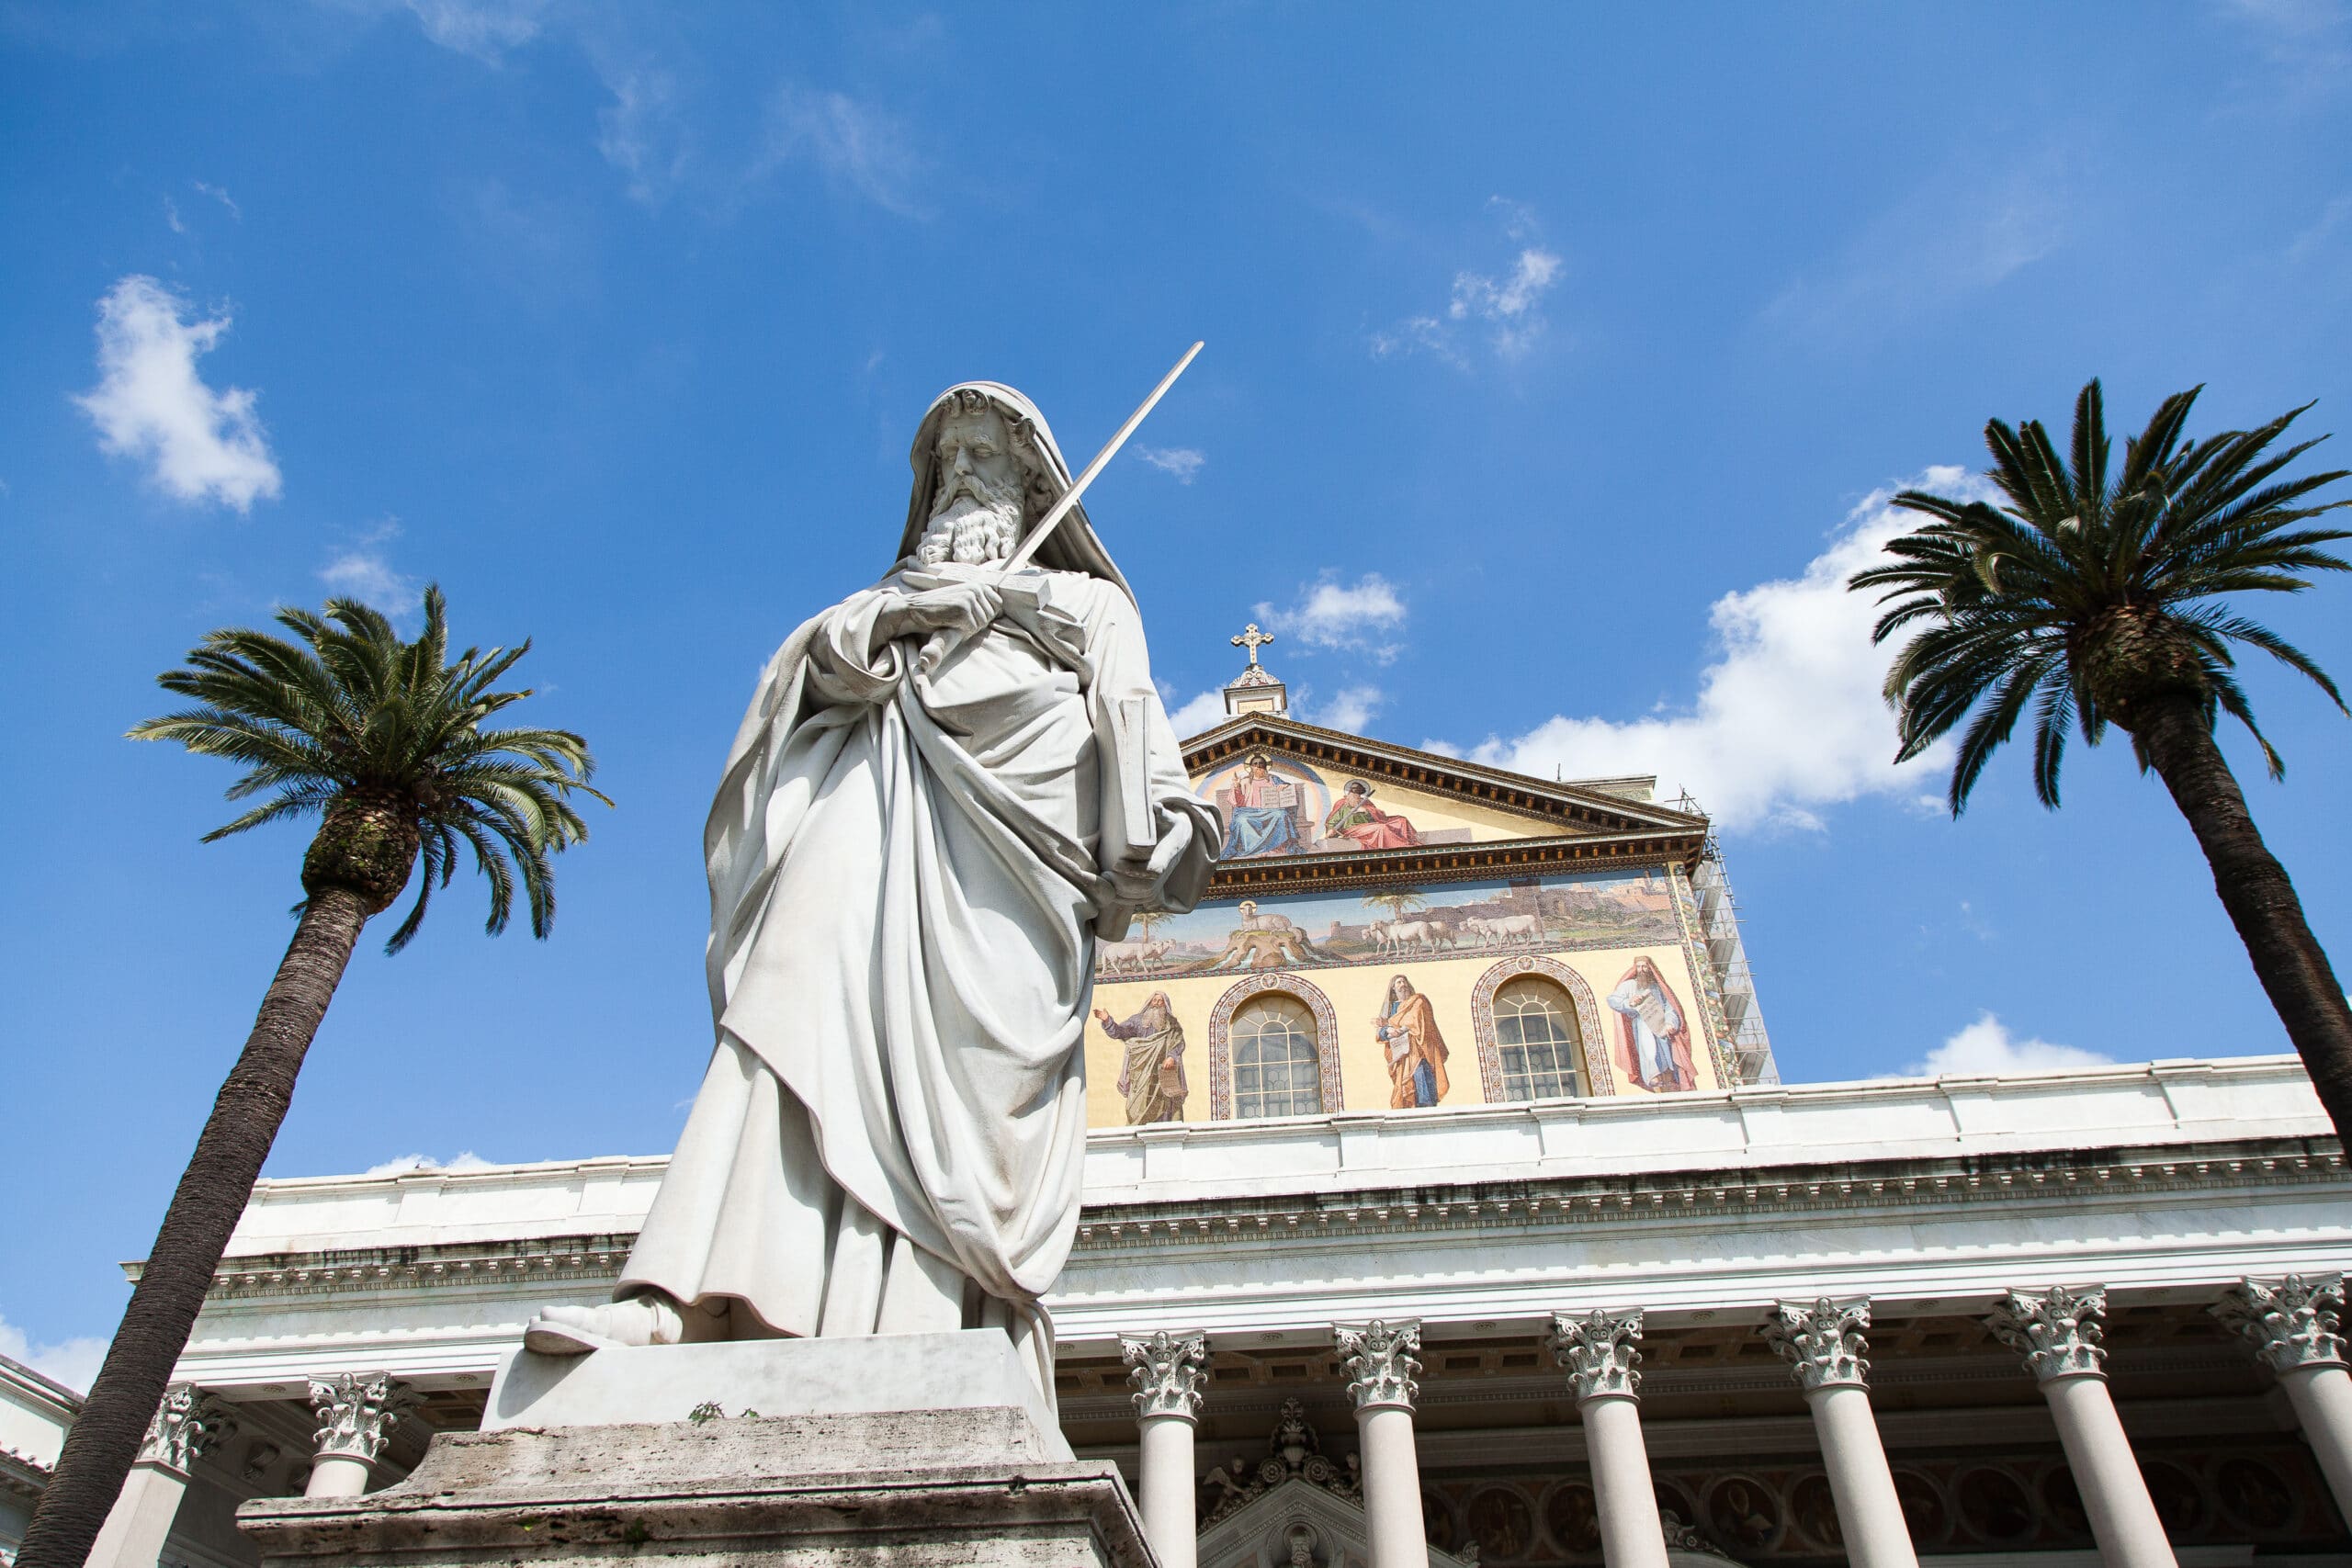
1053, 519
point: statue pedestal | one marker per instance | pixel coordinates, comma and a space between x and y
910, 1450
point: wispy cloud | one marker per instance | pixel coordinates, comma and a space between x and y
1789, 717
1360, 616
1182, 462
364, 571
855, 146
403, 1165
1502, 307
482, 29
150, 406
74, 1362
221, 195
2306, 43
1987, 1046
641, 134
1950, 239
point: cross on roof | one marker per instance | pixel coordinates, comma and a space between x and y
1253, 639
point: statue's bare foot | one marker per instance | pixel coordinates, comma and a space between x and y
648, 1319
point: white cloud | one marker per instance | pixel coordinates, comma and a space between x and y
640, 133
222, 197
151, 405
1350, 708
1183, 462
172, 215
1201, 713
1506, 307
854, 145
367, 575
1943, 243
483, 30
1509, 305
74, 1362
1987, 1046
1354, 617
404, 1164
1789, 717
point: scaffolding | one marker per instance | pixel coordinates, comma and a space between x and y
1734, 981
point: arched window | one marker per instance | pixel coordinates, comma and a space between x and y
1276, 1068
1537, 1043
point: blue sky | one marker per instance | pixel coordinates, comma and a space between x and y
1559, 361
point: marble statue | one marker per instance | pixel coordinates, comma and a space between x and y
948, 788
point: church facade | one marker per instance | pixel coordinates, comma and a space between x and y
1440, 1172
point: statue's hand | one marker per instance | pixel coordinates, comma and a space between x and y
960, 609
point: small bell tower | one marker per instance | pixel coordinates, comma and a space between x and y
1255, 690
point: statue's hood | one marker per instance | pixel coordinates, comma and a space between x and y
1072, 547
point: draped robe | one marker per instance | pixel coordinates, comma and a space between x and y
907, 864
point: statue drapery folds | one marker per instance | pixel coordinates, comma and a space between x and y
946, 787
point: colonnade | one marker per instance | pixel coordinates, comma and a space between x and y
357, 1414
2291, 1326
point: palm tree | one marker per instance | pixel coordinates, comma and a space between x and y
1397, 901
383, 741
2087, 597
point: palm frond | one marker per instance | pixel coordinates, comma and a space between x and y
344, 704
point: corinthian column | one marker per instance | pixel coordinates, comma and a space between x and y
189, 1425
357, 1413
1824, 1345
2293, 1326
1381, 1362
1602, 1353
2057, 1332
1167, 1373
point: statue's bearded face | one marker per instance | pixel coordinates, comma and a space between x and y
977, 511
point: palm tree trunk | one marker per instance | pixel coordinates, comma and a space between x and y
2261, 902
105, 1438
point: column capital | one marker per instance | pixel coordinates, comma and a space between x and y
1382, 1361
187, 1425
1167, 1373
359, 1412
1823, 1342
2292, 1324
1601, 1351
2055, 1330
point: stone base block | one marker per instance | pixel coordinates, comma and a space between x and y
973, 1476
976, 1369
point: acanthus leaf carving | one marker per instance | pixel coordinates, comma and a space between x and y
2296, 1323
1167, 1369
2055, 1330
1822, 1342
187, 1425
1382, 1363
1602, 1352
359, 1412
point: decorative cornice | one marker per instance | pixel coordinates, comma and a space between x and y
1666, 1196
1845, 1187
359, 1412
2055, 1330
2291, 1325
1601, 1351
189, 1425
1580, 809
1449, 862
1167, 1373
1822, 1342
1381, 1363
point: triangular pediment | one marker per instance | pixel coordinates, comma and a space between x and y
1301, 793
1266, 1533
